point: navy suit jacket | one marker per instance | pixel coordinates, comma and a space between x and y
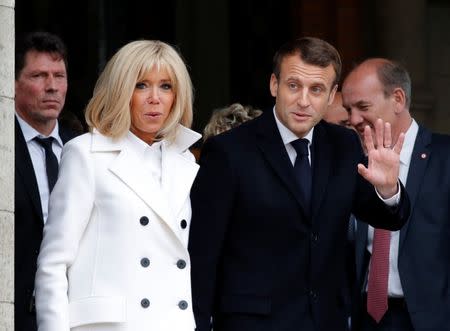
28, 222
259, 262
424, 247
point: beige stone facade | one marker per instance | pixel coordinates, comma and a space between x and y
7, 165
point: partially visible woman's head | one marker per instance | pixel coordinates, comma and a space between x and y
224, 119
145, 84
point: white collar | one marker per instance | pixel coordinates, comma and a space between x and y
408, 144
29, 133
184, 138
287, 135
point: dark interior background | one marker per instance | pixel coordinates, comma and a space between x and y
228, 45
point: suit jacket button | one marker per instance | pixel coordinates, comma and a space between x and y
145, 303
314, 237
313, 295
181, 264
144, 220
183, 224
182, 305
145, 262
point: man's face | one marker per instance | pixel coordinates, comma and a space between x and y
303, 92
364, 99
336, 112
41, 87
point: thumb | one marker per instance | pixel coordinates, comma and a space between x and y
363, 171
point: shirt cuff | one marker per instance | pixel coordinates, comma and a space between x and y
394, 200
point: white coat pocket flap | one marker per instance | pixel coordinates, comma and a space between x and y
93, 310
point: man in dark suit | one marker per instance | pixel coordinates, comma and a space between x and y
418, 264
40, 91
269, 224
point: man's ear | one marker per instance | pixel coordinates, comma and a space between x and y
332, 94
273, 85
399, 98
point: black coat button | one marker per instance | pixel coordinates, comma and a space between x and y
183, 224
144, 220
182, 305
145, 262
145, 303
314, 237
181, 264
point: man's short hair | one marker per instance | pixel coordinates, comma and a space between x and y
313, 51
392, 75
42, 42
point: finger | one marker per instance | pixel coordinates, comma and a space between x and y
387, 135
379, 133
399, 144
368, 139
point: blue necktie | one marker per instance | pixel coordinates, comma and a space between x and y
51, 162
302, 170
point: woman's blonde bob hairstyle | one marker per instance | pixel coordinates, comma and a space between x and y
108, 111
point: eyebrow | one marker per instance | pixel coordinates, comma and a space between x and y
362, 103
160, 81
290, 78
320, 85
316, 83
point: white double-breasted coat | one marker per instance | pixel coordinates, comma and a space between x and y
114, 255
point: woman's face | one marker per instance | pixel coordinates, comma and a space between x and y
151, 104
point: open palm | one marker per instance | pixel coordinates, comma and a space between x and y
384, 159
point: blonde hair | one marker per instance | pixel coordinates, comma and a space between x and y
108, 110
224, 119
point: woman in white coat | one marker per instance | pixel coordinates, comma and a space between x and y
114, 255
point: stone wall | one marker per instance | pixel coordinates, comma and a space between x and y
7, 165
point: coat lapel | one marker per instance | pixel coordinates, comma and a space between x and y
25, 169
178, 169
177, 173
271, 145
127, 166
419, 161
322, 157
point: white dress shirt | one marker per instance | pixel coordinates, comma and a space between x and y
394, 283
37, 154
288, 136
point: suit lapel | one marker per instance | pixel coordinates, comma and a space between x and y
65, 134
321, 166
419, 161
271, 145
24, 168
360, 247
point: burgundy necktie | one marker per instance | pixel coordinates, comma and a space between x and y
377, 298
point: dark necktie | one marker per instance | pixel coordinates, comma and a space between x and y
51, 162
377, 288
302, 170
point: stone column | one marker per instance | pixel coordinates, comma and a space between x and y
7, 165
401, 35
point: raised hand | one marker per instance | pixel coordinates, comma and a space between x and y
384, 159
